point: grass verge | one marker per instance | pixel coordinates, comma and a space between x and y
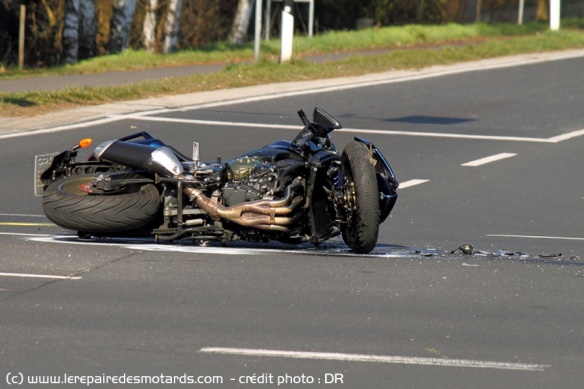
427, 45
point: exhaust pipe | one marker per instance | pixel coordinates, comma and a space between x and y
262, 214
159, 160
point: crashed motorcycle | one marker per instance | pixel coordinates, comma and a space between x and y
295, 191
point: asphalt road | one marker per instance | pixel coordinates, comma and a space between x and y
490, 157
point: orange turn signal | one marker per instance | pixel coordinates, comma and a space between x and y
85, 143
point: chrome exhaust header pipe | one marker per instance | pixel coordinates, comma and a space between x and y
262, 214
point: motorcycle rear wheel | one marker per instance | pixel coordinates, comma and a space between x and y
362, 232
70, 207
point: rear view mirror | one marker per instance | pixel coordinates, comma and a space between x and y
324, 122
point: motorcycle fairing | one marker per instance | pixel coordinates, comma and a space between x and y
386, 180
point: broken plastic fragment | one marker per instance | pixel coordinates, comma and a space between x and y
466, 249
550, 255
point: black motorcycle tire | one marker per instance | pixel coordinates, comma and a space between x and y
66, 205
361, 235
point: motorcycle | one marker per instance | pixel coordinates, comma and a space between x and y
295, 191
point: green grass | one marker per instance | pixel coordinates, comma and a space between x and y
377, 38
427, 45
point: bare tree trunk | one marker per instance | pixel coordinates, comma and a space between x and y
542, 10
79, 30
451, 9
149, 27
71, 32
172, 25
241, 22
121, 24
87, 29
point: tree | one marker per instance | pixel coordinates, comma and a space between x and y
172, 25
120, 25
71, 32
542, 10
240, 22
79, 30
87, 29
149, 26
451, 8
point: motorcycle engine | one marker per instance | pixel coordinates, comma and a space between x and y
260, 175
248, 179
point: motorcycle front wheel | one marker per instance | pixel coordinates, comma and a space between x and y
69, 204
362, 195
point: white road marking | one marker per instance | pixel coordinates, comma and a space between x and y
563, 137
536, 237
22, 275
208, 122
60, 128
22, 234
376, 358
410, 183
349, 130
490, 159
447, 135
20, 215
18, 224
145, 245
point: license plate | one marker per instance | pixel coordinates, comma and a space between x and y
41, 163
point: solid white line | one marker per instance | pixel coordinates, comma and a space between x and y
60, 128
490, 159
376, 358
447, 135
563, 137
410, 183
208, 122
21, 275
20, 215
536, 237
22, 234
349, 130
17, 224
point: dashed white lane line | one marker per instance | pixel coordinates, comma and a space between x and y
22, 275
536, 237
492, 158
375, 358
410, 183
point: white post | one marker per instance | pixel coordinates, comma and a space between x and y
268, 23
258, 30
287, 31
520, 12
554, 15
